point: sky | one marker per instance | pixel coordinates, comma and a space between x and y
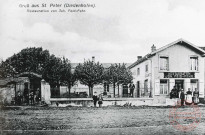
115, 31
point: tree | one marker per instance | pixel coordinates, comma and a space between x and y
68, 76
27, 60
52, 72
89, 73
118, 74
111, 76
125, 75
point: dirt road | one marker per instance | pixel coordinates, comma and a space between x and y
80, 120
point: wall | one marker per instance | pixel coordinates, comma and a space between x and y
142, 76
179, 62
88, 102
6, 94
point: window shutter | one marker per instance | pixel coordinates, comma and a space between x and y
157, 87
201, 87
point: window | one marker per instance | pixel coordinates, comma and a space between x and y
194, 84
164, 87
146, 68
164, 63
138, 71
194, 63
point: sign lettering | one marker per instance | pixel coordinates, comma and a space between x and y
179, 75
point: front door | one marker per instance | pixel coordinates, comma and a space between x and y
138, 88
179, 84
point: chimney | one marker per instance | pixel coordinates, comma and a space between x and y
153, 48
93, 59
139, 57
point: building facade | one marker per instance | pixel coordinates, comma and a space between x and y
179, 64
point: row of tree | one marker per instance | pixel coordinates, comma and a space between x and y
58, 71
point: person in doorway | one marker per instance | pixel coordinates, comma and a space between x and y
19, 98
100, 100
196, 96
95, 98
31, 96
37, 99
173, 93
131, 87
26, 96
189, 97
182, 97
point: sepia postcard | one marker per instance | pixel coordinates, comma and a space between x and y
102, 67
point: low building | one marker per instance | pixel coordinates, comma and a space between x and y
179, 64
23, 84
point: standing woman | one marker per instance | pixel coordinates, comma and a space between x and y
100, 100
196, 96
188, 97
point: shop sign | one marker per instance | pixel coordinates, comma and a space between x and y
179, 74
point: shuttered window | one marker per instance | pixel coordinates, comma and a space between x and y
164, 87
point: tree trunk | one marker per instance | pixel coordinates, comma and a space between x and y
114, 89
90, 91
58, 90
15, 92
118, 90
69, 87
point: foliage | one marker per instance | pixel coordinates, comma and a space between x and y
117, 74
89, 73
27, 60
68, 76
55, 70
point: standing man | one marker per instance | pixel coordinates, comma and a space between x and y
131, 87
95, 98
182, 97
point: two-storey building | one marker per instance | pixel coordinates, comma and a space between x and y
179, 64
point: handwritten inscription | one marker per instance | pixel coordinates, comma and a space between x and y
179, 75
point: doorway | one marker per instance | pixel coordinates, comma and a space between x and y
138, 88
179, 84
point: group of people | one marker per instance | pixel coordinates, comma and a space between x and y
98, 99
189, 98
28, 98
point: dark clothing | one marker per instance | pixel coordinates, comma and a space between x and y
100, 101
132, 87
182, 97
31, 98
188, 92
37, 96
182, 102
19, 100
196, 97
95, 99
174, 93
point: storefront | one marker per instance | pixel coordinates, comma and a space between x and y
179, 64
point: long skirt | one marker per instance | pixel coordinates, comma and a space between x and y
188, 99
196, 100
